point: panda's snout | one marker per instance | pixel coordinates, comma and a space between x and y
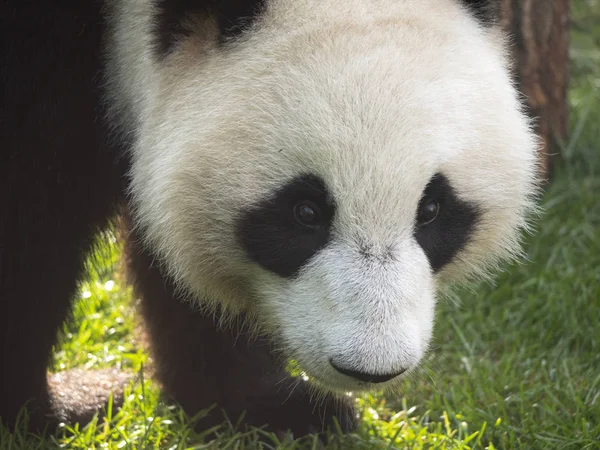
366, 376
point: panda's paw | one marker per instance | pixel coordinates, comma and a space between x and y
77, 395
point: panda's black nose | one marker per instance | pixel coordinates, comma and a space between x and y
364, 376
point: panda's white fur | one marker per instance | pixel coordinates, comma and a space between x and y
374, 96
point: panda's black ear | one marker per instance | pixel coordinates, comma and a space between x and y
486, 11
232, 18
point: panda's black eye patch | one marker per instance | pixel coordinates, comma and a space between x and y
444, 222
282, 232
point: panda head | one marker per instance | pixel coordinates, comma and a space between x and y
327, 167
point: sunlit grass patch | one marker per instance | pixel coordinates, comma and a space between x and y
102, 331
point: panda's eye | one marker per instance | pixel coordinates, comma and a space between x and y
307, 214
428, 211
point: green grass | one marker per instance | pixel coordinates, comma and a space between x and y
514, 365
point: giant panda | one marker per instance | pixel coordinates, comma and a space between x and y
297, 179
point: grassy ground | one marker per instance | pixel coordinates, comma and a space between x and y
515, 365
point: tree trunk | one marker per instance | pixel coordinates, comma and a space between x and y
540, 36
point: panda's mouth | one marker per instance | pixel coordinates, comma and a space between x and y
366, 377
343, 381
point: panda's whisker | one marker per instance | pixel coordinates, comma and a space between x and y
292, 390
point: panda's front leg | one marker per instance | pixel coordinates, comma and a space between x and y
200, 365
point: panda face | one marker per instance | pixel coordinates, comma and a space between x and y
360, 290
330, 171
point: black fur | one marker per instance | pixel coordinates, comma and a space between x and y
232, 16
443, 238
202, 364
273, 237
59, 182
486, 11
